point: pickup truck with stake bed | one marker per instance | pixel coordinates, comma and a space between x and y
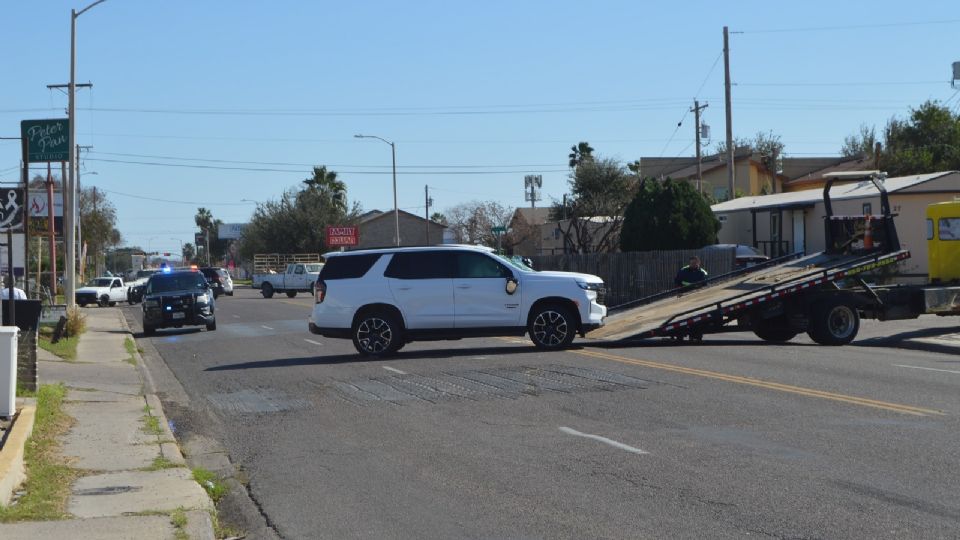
296, 277
824, 294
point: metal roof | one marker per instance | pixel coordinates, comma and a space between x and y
853, 190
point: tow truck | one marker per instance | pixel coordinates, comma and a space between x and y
824, 294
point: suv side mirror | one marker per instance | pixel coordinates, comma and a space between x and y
511, 285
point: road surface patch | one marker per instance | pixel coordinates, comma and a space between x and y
484, 384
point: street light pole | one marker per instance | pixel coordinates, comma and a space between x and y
396, 210
69, 208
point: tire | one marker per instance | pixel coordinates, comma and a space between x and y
82, 304
266, 290
113, 304
552, 327
291, 294
775, 330
149, 330
104, 301
834, 322
376, 333
212, 326
230, 293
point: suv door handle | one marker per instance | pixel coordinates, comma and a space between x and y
404, 288
463, 286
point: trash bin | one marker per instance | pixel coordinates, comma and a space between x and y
8, 370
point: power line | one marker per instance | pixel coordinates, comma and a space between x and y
880, 83
304, 171
205, 160
191, 203
849, 27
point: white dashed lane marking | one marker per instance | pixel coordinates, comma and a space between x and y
395, 370
604, 440
927, 368
312, 342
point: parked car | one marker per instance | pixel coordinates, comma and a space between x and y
103, 291
177, 298
383, 299
746, 256
218, 279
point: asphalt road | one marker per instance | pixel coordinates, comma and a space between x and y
486, 438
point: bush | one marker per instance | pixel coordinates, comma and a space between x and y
668, 215
76, 322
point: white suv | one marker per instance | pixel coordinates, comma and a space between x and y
385, 298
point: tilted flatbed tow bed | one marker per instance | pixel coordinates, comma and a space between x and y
823, 294
707, 308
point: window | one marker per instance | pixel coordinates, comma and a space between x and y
949, 228
867, 209
477, 265
420, 265
116, 283
348, 266
298, 269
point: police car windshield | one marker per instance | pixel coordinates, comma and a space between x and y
176, 282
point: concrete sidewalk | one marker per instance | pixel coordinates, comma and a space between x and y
132, 472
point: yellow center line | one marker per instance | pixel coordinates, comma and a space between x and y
810, 392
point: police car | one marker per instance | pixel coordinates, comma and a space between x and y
177, 298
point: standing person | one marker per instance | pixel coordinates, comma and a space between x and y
690, 274
18, 293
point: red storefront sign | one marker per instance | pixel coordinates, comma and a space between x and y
342, 236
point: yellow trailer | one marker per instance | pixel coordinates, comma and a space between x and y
943, 241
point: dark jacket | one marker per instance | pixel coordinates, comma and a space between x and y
688, 276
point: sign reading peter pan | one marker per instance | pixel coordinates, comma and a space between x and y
47, 140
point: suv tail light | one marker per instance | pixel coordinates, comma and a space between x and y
321, 291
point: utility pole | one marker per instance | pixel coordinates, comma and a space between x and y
79, 247
696, 115
426, 212
731, 171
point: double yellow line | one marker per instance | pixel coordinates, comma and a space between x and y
799, 390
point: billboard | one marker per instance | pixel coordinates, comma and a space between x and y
38, 206
11, 209
230, 231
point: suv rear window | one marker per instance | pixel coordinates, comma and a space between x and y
421, 265
348, 266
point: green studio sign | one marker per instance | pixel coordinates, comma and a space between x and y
47, 140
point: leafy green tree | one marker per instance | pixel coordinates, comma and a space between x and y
668, 215
297, 221
591, 215
98, 219
927, 141
860, 144
437, 217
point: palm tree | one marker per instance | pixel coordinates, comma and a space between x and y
326, 183
579, 153
203, 219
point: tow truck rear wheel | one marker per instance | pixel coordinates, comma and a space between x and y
834, 322
266, 290
291, 294
775, 330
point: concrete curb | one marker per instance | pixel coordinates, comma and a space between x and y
13, 470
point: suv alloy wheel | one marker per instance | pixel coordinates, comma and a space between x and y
377, 334
552, 327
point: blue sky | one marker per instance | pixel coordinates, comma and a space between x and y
495, 89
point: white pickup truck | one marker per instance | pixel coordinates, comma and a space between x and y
297, 278
103, 291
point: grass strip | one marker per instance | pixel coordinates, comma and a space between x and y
210, 482
48, 476
132, 350
66, 348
